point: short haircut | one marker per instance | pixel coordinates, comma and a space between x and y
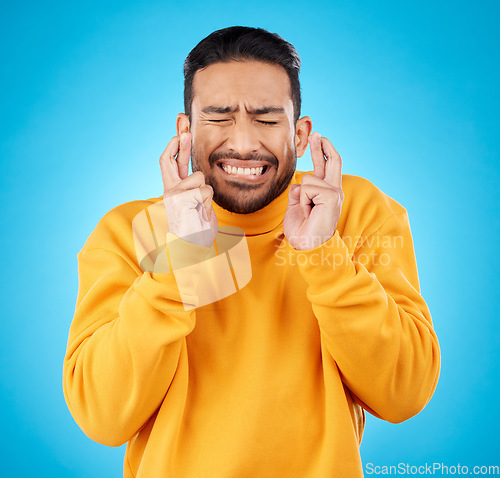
239, 44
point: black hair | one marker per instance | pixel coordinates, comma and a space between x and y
243, 43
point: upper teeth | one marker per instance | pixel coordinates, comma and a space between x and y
242, 171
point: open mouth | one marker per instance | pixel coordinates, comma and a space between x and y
244, 171
251, 172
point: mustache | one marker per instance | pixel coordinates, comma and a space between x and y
269, 158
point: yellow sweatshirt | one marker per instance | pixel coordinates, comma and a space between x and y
270, 381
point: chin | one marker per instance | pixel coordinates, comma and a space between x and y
241, 205
247, 200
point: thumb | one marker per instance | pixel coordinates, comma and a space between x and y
294, 195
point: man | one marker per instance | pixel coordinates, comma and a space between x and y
270, 375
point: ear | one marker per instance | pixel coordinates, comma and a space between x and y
182, 125
303, 129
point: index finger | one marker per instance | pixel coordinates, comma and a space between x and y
174, 162
168, 164
317, 155
333, 166
184, 154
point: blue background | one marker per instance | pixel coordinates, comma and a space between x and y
406, 91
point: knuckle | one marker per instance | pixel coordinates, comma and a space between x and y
306, 189
338, 194
163, 157
198, 175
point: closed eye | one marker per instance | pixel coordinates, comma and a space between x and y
270, 123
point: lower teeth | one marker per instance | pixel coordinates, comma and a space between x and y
245, 174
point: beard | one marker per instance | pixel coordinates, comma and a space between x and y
246, 199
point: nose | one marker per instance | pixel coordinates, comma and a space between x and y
243, 138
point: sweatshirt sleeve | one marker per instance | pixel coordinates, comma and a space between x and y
373, 320
125, 341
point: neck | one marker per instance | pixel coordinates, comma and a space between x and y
259, 222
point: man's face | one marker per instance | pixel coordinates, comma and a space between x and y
243, 132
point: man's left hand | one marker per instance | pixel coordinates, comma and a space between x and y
314, 206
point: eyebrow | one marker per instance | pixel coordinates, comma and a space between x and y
233, 109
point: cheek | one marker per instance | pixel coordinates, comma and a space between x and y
285, 146
200, 148
205, 142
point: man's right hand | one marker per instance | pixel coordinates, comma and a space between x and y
187, 199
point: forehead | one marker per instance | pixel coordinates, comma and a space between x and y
251, 82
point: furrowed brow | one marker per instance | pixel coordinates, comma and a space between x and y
267, 110
220, 109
